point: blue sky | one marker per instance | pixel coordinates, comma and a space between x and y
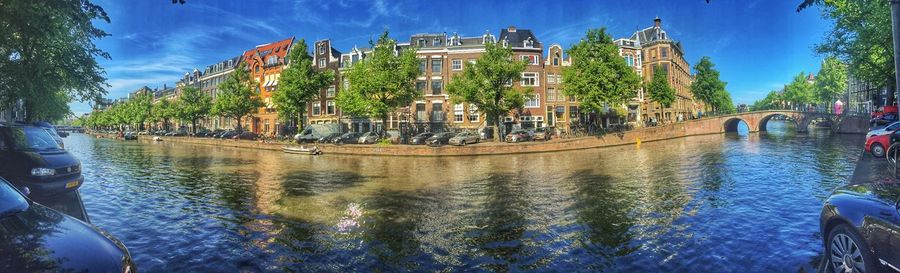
757, 45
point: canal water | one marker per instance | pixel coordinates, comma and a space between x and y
717, 203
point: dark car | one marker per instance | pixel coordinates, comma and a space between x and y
420, 138
229, 134
439, 139
34, 238
518, 136
52, 131
861, 228
329, 138
30, 157
246, 136
351, 137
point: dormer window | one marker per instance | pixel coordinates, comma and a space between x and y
420, 43
321, 49
505, 43
436, 42
529, 43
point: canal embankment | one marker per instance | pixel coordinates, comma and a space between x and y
872, 170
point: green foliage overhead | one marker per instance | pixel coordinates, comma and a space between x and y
192, 105
300, 83
486, 83
861, 37
831, 82
236, 98
47, 54
382, 82
164, 111
599, 76
773, 100
659, 89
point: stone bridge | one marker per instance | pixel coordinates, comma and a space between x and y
758, 120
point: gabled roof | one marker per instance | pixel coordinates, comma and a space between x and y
517, 37
279, 48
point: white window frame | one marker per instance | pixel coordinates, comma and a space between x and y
456, 65
330, 92
458, 113
531, 59
473, 112
321, 49
333, 107
316, 109
534, 76
533, 102
322, 63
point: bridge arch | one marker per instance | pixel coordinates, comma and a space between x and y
731, 125
764, 121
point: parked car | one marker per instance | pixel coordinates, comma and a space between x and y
518, 136
543, 133
314, 132
52, 131
32, 158
351, 137
229, 134
464, 138
420, 138
883, 130
878, 145
35, 238
439, 139
861, 228
370, 138
486, 132
329, 138
213, 133
246, 136
200, 133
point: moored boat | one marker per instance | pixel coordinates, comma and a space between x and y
301, 150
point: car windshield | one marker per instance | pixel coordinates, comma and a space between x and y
11, 201
31, 138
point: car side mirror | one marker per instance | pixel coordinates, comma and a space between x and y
25, 190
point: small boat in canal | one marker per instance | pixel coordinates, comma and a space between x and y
302, 150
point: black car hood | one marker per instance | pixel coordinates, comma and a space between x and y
888, 193
40, 239
53, 159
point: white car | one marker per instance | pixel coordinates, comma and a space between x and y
884, 130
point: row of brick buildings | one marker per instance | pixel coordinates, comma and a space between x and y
442, 57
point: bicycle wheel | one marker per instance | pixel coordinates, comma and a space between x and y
893, 153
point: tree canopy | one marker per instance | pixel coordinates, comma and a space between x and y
192, 105
599, 76
47, 55
236, 98
659, 89
831, 82
487, 83
382, 82
799, 91
300, 83
707, 87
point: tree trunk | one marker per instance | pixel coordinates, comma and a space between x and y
496, 128
194, 126
239, 124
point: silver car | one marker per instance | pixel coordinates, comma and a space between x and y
369, 138
464, 138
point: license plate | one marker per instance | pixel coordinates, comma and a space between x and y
72, 184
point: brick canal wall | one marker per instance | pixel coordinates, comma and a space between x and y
713, 125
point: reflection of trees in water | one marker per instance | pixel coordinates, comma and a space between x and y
714, 175
606, 210
497, 230
391, 229
312, 182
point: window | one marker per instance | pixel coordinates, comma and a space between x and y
266, 127
529, 42
456, 64
330, 92
572, 99
436, 65
436, 42
437, 86
272, 60
321, 63
420, 86
458, 112
530, 59
316, 109
321, 49
529, 79
257, 68
560, 113
437, 112
345, 83
422, 65
420, 43
551, 94
573, 112
329, 107
664, 52
533, 102
551, 78
556, 61
420, 112
473, 113
629, 60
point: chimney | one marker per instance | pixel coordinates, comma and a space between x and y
511, 28
656, 22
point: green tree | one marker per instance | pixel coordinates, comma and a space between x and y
659, 89
861, 37
163, 111
193, 105
236, 98
300, 83
772, 101
487, 84
799, 92
831, 82
599, 76
708, 88
47, 55
382, 82
139, 109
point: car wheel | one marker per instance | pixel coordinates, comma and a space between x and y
846, 252
877, 150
